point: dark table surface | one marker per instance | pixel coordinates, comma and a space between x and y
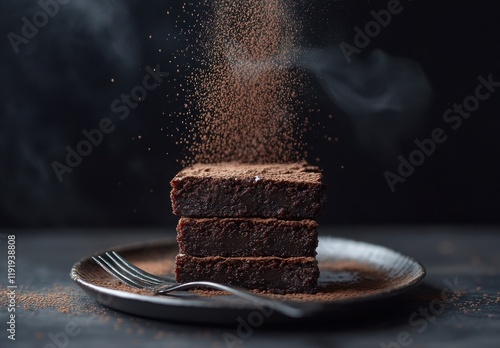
66, 317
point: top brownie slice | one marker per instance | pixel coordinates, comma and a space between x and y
285, 191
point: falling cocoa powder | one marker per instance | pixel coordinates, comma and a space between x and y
244, 95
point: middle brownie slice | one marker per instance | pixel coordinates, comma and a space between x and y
240, 237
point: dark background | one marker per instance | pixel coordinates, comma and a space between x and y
428, 58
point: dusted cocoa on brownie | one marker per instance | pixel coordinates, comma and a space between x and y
238, 237
285, 191
272, 274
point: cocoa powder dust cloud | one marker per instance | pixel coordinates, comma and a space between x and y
243, 96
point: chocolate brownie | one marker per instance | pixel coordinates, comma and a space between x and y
272, 274
237, 237
285, 191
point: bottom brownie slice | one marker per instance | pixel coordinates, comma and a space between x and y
272, 274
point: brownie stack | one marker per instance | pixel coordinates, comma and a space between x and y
249, 225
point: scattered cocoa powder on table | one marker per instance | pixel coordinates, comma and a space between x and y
64, 299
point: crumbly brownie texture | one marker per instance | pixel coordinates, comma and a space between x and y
271, 274
239, 237
284, 191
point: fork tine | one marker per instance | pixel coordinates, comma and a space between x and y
125, 272
133, 270
101, 261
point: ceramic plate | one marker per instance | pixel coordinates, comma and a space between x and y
353, 276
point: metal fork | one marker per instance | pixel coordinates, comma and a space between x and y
133, 276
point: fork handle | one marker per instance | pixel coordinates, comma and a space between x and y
273, 305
